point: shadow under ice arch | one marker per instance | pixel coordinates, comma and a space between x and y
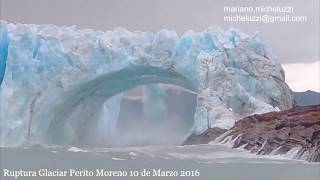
55, 76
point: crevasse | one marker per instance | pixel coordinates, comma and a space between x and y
59, 82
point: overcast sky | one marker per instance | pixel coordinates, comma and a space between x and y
291, 42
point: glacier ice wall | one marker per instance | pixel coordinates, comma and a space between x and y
58, 82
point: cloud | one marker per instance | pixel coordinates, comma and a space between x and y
303, 76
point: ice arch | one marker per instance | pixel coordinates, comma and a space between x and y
52, 76
97, 91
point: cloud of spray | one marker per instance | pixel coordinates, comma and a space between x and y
157, 118
147, 115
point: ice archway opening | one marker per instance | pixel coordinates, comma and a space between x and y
89, 113
155, 114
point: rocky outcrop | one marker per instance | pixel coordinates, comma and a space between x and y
274, 133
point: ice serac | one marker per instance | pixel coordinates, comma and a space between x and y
3, 50
59, 82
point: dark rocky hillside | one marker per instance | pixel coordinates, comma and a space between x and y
307, 98
274, 132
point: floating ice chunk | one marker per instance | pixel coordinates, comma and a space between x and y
75, 149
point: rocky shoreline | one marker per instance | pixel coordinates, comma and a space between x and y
275, 133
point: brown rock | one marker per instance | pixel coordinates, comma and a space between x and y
276, 132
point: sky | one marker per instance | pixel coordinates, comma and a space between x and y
295, 44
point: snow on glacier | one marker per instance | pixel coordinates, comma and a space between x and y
59, 81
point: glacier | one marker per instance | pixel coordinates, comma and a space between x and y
62, 84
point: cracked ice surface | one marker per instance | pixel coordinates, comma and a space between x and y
60, 82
